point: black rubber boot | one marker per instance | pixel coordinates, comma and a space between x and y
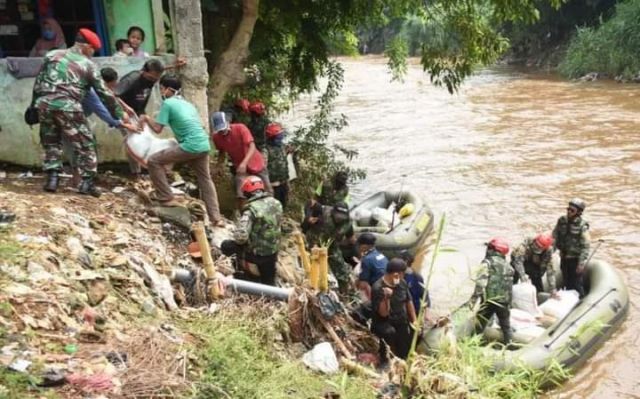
52, 182
87, 187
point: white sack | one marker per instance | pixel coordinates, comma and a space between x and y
559, 308
382, 216
322, 358
524, 298
145, 143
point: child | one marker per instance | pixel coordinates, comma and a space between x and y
123, 49
278, 166
135, 36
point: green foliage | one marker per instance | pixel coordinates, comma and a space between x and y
343, 43
21, 385
473, 365
240, 362
611, 48
396, 53
555, 25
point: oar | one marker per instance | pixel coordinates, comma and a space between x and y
600, 241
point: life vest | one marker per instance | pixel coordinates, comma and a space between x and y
265, 235
500, 280
569, 236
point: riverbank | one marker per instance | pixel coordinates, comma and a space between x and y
87, 307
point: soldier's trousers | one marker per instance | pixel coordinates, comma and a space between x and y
74, 128
340, 269
571, 280
502, 312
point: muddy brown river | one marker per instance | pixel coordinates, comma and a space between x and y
503, 157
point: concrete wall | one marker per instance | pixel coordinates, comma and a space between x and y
20, 145
122, 14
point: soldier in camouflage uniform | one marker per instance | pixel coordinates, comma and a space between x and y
532, 258
257, 236
258, 125
331, 192
332, 228
494, 285
571, 236
278, 166
60, 87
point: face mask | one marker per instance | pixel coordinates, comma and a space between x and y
277, 141
48, 34
396, 281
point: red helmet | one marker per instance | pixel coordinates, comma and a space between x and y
243, 104
544, 241
499, 244
252, 184
273, 129
258, 108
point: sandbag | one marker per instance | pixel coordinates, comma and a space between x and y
363, 217
561, 307
526, 334
144, 144
524, 325
524, 298
382, 217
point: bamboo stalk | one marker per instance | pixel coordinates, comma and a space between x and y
207, 260
341, 346
304, 255
314, 268
323, 275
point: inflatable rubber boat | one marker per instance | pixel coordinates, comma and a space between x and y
570, 340
399, 220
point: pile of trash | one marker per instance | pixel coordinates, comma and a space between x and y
88, 291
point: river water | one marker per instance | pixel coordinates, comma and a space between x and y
503, 157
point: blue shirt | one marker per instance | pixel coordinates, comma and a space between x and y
93, 105
416, 288
374, 265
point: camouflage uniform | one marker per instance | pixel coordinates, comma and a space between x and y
259, 226
571, 238
494, 283
60, 87
257, 126
525, 261
327, 231
326, 194
258, 235
278, 172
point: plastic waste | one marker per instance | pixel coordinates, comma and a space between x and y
322, 358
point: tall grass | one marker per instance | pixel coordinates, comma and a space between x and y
242, 359
611, 48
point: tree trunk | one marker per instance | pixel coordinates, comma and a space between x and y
230, 69
187, 35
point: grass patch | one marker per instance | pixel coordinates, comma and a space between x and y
20, 385
10, 250
468, 367
239, 360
